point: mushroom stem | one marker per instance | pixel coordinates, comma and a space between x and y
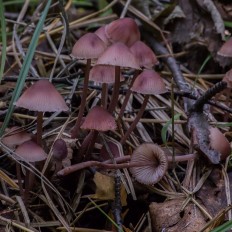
127, 97
75, 129
136, 120
88, 143
39, 128
19, 177
108, 163
104, 95
115, 94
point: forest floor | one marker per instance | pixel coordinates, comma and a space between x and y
160, 161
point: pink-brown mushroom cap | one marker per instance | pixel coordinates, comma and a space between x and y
156, 163
118, 54
103, 74
149, 82
123, 30
59, 150
226, 49
29, 151
89, 46
100, 32
42, 96
228, 78
99, 119
144, 54
219, 142
15, 137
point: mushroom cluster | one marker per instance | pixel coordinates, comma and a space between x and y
110, 50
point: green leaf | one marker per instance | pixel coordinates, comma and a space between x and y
165, 128
3, 38
228, 24
223, 228
25, 67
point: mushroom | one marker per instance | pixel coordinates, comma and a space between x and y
105, 121
226, 49
29, 152
156, 163
59, 153
147, 59
100, 32
219, 142
117, 55
15, 136
139, 159
105, 75
42, 97
147, 83
145, 56
123, 30
88, 47
98, 119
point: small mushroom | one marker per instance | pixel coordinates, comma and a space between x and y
15, 136
148, 162
29, 152
42, 97
119, 56
59, 153
156, 163
100, 32
148, 83
88, 47
97, 120
123, 30
145, 56
219, 142
226, 49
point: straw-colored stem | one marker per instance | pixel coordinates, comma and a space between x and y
115, 94
136, 120
77, 125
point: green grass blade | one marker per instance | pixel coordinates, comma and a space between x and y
165, 128
3, 38
228, 24
223, 228
25, 67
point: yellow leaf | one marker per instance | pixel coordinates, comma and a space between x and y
104, 187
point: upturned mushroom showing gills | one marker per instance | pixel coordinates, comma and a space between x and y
42, 97
156, 163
